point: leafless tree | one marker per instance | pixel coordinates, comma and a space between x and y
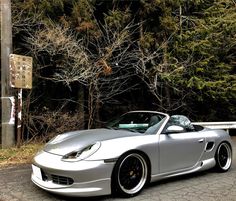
22, 20
103, 64
162, 76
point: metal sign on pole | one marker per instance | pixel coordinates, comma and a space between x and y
20, 78
21, 71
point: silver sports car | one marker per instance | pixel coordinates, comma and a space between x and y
137, 148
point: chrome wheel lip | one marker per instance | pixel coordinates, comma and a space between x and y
143, 178
227, 164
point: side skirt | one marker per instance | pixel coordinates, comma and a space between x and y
200, 166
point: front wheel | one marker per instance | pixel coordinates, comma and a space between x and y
130, 174
223, 157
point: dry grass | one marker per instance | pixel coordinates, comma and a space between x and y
22, 155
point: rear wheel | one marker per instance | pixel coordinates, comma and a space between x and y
223, 157
130, 174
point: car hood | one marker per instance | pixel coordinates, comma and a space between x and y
77, 140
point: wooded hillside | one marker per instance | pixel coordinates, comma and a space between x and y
95, 59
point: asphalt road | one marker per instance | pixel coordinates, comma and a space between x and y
15, 185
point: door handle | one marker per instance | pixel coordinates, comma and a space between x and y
201, 140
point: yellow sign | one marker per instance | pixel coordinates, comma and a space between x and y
21, 71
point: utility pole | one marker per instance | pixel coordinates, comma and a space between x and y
7, 93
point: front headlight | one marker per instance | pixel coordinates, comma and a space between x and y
82, 154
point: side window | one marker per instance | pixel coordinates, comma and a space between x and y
180, 120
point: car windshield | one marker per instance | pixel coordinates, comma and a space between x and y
142, 122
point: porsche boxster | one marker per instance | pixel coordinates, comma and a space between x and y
137, 148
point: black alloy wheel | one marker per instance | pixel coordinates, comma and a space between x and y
131, 174
223, 157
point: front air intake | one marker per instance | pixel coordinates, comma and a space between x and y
61, 180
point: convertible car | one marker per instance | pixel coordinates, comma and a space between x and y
137, 148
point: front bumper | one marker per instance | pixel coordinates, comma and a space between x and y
81, 178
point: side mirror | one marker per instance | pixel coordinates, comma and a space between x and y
174, 129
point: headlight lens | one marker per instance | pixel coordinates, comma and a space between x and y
82, 154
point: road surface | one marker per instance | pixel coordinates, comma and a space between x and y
15, 185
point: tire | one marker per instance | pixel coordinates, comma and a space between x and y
223, 157
130, 175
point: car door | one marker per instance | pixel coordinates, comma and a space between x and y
180, 150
